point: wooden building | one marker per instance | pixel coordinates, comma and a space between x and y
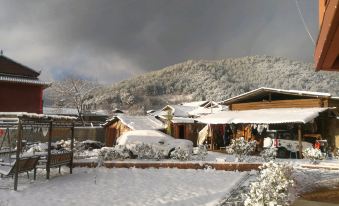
179, 119
315, 113
20, 88
265, 98
118, 125
185, 128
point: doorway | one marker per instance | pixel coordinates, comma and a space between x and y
181, 132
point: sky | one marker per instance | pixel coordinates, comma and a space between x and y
112, 40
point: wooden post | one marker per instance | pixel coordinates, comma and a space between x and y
17, 157
212, 138
72, 146
300, 141
48, 169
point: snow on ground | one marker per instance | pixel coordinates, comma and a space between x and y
102, 186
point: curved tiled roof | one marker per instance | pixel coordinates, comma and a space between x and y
12, 68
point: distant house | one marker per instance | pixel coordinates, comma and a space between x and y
300, 114
94, 117
20, 88
182, 123
120, 124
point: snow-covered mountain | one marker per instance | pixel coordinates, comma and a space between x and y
212, 80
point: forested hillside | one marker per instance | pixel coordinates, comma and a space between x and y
211, 80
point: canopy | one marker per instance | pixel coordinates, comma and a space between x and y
263, 116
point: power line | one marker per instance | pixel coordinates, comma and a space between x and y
304, 23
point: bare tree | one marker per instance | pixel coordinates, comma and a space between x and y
73, 92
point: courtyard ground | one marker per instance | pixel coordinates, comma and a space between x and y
102, 186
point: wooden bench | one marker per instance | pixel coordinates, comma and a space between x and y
26, 164
58, 160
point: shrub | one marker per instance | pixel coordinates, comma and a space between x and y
200, 152
336, 153
114, 153
273, 186
241, 148
180, 154
269, 154
312, 154
147, 151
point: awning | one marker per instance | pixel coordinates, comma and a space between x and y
263, 116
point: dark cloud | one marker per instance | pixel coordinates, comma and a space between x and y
110, 40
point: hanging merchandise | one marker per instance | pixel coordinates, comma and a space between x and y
232, 126
260, 128
44, 131
254, 130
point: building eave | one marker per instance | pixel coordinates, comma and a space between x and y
19, 80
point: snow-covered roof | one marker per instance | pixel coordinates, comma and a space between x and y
178, 110
96, 113
200, 111
282, 91
194, 104
263, 116
71, 111
34, 116
177, 120
138, 122
60, 111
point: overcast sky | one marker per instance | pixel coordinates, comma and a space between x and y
111, 40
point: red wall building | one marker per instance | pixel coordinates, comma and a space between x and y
20, 88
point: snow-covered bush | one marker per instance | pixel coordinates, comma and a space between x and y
180, 154
114, 153
65, 144
200, 152
146, 151
269, 154
312, 154
33, 149
273, 186
336, 153
241, 148
39, 147
87, 145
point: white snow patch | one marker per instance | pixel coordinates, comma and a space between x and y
263, 116
102, 186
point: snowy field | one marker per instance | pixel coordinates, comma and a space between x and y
101, 186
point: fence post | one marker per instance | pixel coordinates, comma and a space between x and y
48, 169
17, 157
